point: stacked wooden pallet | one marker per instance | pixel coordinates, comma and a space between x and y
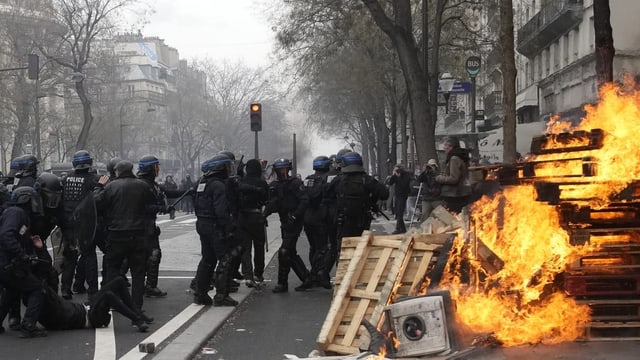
374, 271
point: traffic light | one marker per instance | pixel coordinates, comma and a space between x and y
33, 66
256, 116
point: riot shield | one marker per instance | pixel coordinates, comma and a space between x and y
56, 248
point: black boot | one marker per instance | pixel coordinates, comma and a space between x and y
14, 323
224, 300
202, 299
307, 284
284, 265
280, 288
154, 292
31, 331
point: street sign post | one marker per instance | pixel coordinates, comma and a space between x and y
473, 68
473, 65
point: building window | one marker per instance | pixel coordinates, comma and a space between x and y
527, 74
546, 59
576, 43
131, 90
556, 55
592, 34
565, 50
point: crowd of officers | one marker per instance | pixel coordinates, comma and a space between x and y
117, 214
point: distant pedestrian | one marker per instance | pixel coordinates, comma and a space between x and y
455, 176
187, 202
401, 180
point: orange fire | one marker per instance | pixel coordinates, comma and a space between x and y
521, 303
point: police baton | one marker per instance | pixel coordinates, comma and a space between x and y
189, 191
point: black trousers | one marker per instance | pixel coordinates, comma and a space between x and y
154, 255
210, 246
131, 246
112, 295
87, 266
251, 233
20, 282
401, 206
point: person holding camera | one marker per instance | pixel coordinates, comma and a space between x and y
402, 181
430, 188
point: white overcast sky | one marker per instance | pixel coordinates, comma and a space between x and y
218, 29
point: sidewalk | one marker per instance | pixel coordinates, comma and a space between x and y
194, 335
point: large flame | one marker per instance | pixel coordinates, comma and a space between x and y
520, 302
616, 113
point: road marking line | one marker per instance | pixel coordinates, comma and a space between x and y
105, 342
188, 221
160, 222
164, 332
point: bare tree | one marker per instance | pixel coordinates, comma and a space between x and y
508, 80
85, 22
604, 42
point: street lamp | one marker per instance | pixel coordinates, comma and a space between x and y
446, 85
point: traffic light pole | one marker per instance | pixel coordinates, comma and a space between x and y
256, 145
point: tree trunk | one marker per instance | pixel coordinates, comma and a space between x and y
23, 125
434, 70
508, 81
393, 124
400, 32
604, 42
83, 138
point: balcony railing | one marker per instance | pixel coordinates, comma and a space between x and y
555, 19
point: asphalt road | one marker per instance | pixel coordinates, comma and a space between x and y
181, 253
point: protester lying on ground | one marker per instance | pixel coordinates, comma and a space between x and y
61, 314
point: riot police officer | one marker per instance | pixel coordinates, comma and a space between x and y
16, 243
316, 225
148, 169
213, 225
27, 170
357, 192
250, 226
126, 202
289, 199
80, 226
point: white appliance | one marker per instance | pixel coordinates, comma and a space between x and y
421, 325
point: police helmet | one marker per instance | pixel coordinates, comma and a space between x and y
27, 165
321, 163
50, 189
82, 160
26, 195
234, 164
218, 164
282, 168
340, 157
228, 154
352, 163
111, 165
148, 165
14, 167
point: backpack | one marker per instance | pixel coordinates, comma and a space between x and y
314, 186
353, 195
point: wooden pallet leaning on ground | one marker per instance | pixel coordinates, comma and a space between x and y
372, 272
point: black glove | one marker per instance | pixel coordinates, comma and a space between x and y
292, 219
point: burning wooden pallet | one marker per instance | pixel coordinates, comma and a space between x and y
371, 273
